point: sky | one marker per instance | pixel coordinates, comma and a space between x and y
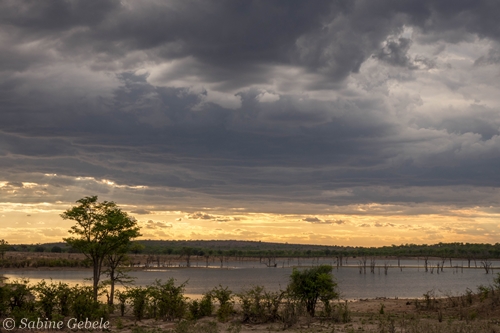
362, 123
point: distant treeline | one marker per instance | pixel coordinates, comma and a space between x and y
44, 262
252, 249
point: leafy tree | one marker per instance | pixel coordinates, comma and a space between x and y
101, 229
170, 300
39, 248
226, 304
4, 246
312, 284
56, 249
115, 271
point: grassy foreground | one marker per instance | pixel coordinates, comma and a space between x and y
460, 314
254, 311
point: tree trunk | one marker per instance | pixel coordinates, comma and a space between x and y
96, 279
112, 286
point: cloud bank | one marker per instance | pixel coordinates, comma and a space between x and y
283, 107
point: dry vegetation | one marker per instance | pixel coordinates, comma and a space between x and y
445, 314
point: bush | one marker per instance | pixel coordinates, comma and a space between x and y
310, 285
122, 298
291, 310
496, 282
47, 295
259, 305
226, 305
201, 308
64, 294
83, 305
342, 313
39, 248
194, 310
139, 298
169, 299
18, 301
56, 249
206, 305
3, 300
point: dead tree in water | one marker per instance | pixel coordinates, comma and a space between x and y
150, 259
220, 255
157, 260
187, 252
271, 261
340, 260
386, 267
207, 256
426, 263
486, 263
364, 264
221, 258
372, 265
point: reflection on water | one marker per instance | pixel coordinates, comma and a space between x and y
408, 281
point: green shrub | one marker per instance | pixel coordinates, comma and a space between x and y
18, 300
259, 305
3, 300
291, 310
200, 308
139, 297
310, 285
206, 305
496, 282
169, 299
483, 292
226, 304
194, 310
122, 299
63, 296
47, 296
82, 304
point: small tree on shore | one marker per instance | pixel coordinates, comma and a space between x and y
115, 271
101, 229
4, 246
311, 285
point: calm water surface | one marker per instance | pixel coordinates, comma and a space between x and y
408, 282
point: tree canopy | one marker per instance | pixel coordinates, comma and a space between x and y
312, 284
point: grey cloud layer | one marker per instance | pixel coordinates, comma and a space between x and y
169, 95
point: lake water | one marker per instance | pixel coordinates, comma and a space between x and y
409, 281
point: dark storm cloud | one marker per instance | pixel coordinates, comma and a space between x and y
104, 89
395, 52
332, 37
